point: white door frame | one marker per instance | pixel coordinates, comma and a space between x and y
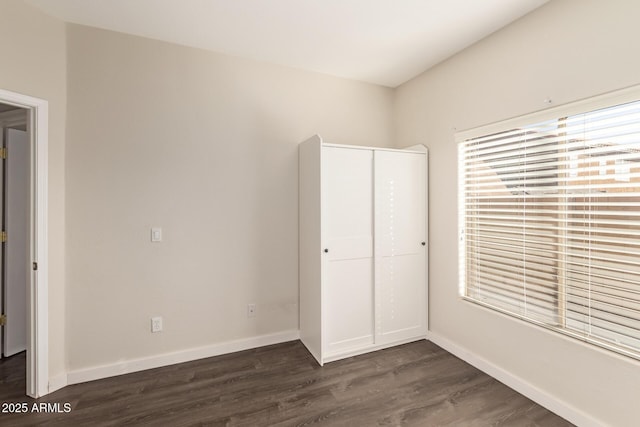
38, 290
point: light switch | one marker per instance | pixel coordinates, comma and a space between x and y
156, 234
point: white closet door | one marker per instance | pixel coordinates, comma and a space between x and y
17, 256
347, 238
400, 256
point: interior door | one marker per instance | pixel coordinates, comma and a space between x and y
347, 235
16, 249
400, 248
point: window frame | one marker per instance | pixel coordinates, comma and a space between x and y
623, 96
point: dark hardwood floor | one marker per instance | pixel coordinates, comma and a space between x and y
417, 384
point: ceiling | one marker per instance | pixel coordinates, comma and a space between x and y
385, 42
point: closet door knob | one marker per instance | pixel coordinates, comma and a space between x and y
326, 251
424, 243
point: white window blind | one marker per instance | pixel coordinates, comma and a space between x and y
550, 223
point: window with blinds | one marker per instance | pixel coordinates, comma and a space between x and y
550, 221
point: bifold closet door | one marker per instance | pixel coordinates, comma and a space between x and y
400, 248
347, 227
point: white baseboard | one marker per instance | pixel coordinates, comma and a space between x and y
135, 365
539, 396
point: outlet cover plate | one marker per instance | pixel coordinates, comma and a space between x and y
156, 324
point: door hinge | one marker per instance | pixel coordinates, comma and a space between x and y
35, 266
3, 153
3, 319
3, 236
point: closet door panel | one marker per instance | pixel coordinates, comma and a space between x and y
347, 203
349, 311
347, 230
399, 301
400, 257
399, 203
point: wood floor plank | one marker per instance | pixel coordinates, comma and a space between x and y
416, 384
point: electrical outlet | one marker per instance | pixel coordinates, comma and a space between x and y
251, 310
156, 324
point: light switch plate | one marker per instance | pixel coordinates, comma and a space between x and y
156, 234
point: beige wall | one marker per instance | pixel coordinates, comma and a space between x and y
204, 146
33, 62
566, 50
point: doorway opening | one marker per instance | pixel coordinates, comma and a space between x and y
23, 256
14, 222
